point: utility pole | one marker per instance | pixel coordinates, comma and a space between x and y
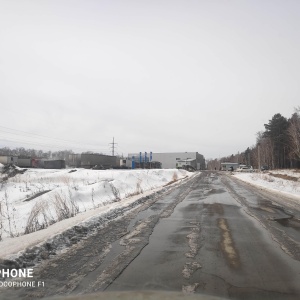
113, 146
258, 152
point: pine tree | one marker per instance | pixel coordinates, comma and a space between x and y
276, 130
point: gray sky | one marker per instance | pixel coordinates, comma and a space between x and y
157, 75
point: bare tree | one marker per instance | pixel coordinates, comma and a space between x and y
266, 150
294, 134
213, 164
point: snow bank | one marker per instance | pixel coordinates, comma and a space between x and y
271, 182
60, 199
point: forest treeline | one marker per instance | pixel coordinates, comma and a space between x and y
277, 147
23, 152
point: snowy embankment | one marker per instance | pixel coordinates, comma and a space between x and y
283, 181
38, 204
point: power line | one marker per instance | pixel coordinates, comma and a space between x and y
35, 134
113, 146
39, 135
34, 139
5, 138
63, 147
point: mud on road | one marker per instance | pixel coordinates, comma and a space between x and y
212, 235
107, 251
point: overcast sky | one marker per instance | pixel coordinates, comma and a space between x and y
161, 76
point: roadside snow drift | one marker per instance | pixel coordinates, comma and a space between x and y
34, 199
284, 181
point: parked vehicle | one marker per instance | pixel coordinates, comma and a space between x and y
245, 169
55, 164
264, 168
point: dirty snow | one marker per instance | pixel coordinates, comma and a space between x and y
269, 181
44, 203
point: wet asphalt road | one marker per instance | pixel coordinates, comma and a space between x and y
221, 240
212, 235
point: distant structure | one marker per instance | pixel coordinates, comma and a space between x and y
175, 160
90, 160
179, 159
29, 162
113, 146
55, 164
142, 160
8, 159
228, 166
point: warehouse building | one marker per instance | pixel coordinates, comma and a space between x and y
55, 164
179, 159
8, 159
99, 161
229, 166
172, 160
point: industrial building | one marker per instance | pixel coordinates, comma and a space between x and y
228, 166
100, 161
190, 162
171, 160
55, 164
74, 160
178, 159
8, 159
29, 162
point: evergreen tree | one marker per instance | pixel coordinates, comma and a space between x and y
276, 130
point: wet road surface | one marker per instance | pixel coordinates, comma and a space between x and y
212, 235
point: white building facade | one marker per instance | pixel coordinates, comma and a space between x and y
171, 160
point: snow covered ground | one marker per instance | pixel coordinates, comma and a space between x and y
283, 181
37, 204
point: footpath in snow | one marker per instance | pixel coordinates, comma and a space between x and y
38, 205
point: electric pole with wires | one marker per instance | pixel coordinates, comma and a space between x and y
113, 146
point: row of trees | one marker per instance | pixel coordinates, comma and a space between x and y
23, 152
278, 146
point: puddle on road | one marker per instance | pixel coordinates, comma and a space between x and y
155, 209
214, 208
277, 211
289, 222
192, 207
215, 191
124, 248
141, 216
